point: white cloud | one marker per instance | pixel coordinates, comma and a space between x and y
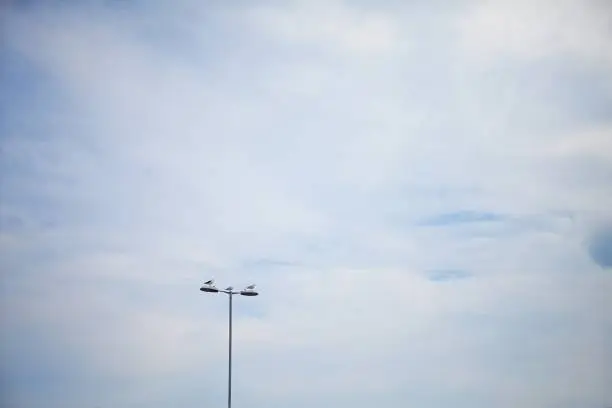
594, 143
332, 26
530, 30
163, 163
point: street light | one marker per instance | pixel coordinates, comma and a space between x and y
209, 286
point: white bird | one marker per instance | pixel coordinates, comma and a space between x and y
251, 287
229, 288
210, 282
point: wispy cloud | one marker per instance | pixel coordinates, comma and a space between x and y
310, 147
443, 275
461, 217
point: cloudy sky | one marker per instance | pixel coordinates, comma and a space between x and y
421, 191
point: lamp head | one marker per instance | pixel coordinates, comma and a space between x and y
209, 286
249, 291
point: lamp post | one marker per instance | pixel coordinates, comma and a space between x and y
209, 286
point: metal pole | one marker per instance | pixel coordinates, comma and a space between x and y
229, 373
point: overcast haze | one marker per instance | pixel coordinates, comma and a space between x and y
421, 191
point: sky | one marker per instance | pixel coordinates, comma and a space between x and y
420, 190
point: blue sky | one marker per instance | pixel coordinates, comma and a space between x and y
421, 191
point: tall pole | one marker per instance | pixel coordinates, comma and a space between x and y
229, 371
209, 286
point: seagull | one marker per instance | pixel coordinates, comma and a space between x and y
251, 287
229, 288
210, 282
